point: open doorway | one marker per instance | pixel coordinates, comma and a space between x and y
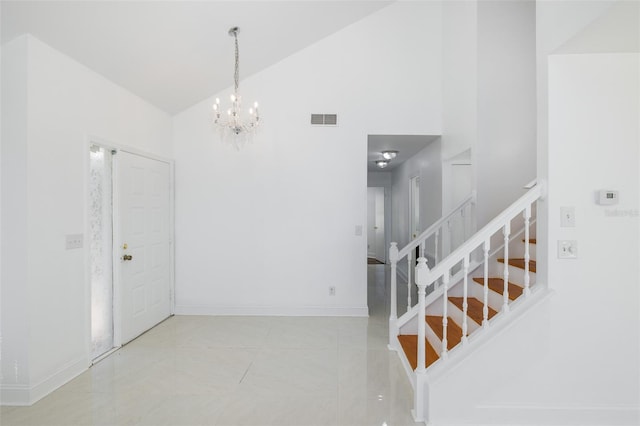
376, 243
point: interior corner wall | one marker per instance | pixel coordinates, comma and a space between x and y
268, 229
505, 154
67, 105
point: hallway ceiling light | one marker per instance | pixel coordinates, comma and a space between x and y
232, 128
382, 163
389, 155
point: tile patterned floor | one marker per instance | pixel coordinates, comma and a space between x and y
196, 370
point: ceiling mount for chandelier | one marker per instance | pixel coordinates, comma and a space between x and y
232, 126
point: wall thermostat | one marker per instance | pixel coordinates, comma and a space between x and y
607, 197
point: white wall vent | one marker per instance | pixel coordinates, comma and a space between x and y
324, 119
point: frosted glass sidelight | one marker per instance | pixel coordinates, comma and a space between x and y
101, 249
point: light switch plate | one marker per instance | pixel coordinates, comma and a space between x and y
568, 217
74, 241
567, 249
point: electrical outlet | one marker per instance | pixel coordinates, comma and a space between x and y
332, 291
567, 249
74, 241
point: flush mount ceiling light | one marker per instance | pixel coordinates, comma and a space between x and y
233, 128
389, 155
382, 163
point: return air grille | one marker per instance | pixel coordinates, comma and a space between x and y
324, 119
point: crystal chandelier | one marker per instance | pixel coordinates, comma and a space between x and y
232, 127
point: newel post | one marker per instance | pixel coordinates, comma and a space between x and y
422, 271
393, 309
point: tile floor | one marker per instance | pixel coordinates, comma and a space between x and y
241, 371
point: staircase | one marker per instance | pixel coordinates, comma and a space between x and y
473, 289
474, 312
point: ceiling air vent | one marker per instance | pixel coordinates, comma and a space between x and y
324, 119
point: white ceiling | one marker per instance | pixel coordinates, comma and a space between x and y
177, 53
406, 145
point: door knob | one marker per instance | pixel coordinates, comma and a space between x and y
127, 257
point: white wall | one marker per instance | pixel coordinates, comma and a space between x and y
268, 229
66, 104
556, 22
505, 154
459, 77
14, 319
428, 165
489, 96
594, 142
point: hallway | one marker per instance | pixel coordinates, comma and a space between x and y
197, 370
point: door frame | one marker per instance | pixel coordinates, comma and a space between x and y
117, 282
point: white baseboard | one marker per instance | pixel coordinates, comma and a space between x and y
28, 395
553, 415
284, 311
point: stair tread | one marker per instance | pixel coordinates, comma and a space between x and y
497, 285
409, 343
454, 332
519, 263
474, 308
531, 241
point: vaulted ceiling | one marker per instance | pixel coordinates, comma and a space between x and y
177, 53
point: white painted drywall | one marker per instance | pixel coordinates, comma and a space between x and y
459, 77
505, 154
67, 104
556, 22
268, 229
14, 318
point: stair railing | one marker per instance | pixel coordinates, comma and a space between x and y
481, 240
443, 227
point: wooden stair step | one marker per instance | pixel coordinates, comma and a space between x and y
519, 263
497, 285
454, 332
531, 241
474, 308
409, 343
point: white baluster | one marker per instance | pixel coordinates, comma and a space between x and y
464, 224
505, 295
409, 282
449, 249
422, 244
393, 309
485, 308
527, 256
445, 298
437, 235
465, 305
421, 280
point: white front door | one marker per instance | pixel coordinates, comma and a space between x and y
143, 217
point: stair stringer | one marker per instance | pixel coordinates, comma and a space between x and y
467, 385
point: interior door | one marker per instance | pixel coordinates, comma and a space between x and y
144, 242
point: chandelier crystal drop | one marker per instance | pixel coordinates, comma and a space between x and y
232, 127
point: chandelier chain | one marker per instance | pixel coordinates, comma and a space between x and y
236, 75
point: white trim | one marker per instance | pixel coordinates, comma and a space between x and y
285, 311
24, 395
